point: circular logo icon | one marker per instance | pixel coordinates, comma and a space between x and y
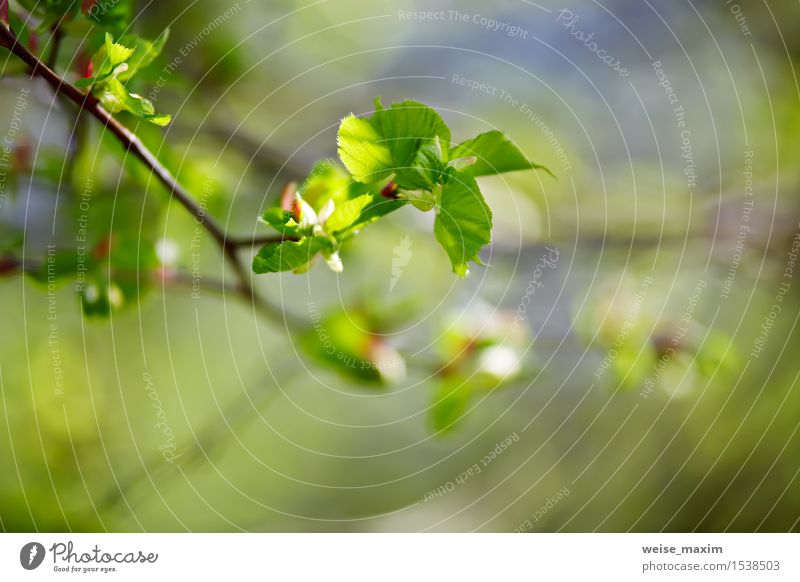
31, 555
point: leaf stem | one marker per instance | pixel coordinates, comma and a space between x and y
55, 46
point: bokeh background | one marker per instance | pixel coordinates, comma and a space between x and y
655, 241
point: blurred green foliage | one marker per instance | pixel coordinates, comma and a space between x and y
384, 384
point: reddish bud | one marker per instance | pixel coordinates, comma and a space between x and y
23, 155
4, 11
390, 191
103, 248
287, 196
88, 5
85, 65
33, 42
8, 266
296, 209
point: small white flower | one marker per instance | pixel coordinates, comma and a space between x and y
91, 294
500, 361
167, 251
115, 297
334, 262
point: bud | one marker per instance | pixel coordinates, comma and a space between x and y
390, 190
303, 214
87, 6
8, 266
103, 248
84, 65
287, 201
168, 252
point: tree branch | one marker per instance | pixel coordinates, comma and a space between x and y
132, 143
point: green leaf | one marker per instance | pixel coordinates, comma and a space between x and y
115, 53
328, 181
132, 254
109, 62
144, 52
288, 255
100, 299
450, 404
364, 151
61, 264
343, 341
117, 63
281, 220
160, 120
390, 141
122, 60
425, 170
494, 153
345, 214
85, 83
115, 97
408, 126
377, 208
463, 224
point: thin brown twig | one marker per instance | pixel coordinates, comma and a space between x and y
264, 158
129, 140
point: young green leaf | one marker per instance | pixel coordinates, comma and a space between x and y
115, 53
328, 181
407, 126
425, 170
109, 62
288, 255
115, 63
358, 353
494, 153
450, 404
377, 208
281, 220
390, 141
364, 151
115, 97
346, 213
59, 266
463, 224
144, 52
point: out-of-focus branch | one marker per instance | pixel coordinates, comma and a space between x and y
263, 156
